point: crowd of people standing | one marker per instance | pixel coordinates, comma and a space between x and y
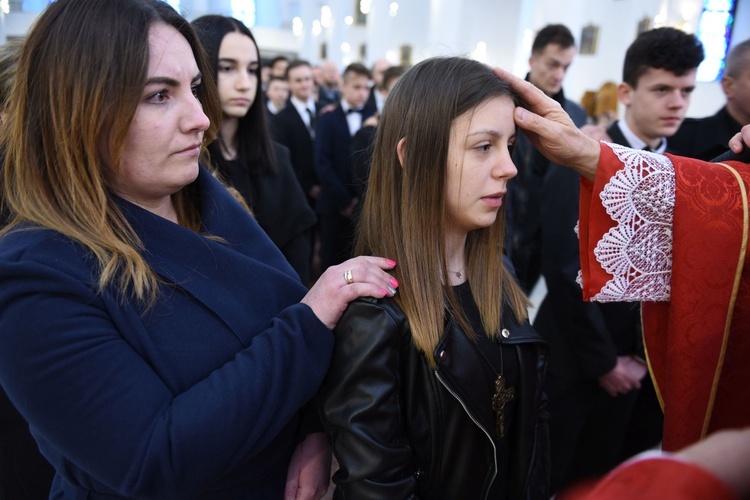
215, 273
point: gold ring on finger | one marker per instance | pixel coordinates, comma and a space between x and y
348, 277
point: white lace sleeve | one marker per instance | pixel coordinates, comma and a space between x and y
637, 252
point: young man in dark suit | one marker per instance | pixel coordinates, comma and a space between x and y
602, 403
658, 80
552, 53
334, 133
294, 127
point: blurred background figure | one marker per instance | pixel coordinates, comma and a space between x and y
277, 94
378, 91
333, 141
706, 138
329, 93
552, 53
278, 66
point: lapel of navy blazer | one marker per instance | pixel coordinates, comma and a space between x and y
244, 261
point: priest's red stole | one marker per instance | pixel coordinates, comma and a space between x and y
698, 344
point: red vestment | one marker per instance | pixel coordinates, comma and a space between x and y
697, 343
653, 479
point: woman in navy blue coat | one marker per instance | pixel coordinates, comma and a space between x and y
157, 342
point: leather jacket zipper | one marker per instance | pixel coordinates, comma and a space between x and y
494, 449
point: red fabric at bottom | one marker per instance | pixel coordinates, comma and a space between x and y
653, 479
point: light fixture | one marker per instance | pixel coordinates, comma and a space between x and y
297, 26
349, 20
316, 28
345, 47
364, 6
393, 9
325, 16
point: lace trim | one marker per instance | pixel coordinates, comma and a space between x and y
638, 251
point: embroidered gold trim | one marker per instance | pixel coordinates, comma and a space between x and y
732, 301
648, 364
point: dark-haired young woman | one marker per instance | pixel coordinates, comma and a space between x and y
243, 152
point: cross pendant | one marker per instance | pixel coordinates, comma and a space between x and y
499, 400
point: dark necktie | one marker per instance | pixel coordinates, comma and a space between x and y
652, 150
312, 122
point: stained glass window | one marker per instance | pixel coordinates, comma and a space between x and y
714, 31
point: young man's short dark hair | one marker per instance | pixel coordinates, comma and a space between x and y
277, 59
669, 49
557, 34
295, 64
357, 69
392, 73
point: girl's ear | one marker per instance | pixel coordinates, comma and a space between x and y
401, 150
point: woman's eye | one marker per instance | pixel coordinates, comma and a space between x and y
158, 97
195, 89
484, 148
224, 68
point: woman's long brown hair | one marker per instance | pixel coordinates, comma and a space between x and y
404, 215
79, 81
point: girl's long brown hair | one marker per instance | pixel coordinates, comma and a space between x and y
404, 215
79, 81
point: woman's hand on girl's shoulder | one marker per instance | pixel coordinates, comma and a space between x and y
354, 278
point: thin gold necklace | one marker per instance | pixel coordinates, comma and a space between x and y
457, 273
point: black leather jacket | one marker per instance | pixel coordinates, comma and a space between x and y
385, 411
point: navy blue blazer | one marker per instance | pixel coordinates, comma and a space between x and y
333, 162
196, 396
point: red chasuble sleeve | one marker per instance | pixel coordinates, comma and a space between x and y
594, 223
697, 343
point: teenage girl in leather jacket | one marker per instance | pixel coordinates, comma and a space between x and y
437, 392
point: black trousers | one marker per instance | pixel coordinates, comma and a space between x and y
587, 430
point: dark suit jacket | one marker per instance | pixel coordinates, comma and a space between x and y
288, 129
524, 201
585, 337
280, 207
371, 103
196, 396
614, 132
326, 97
333, 161
704, 138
